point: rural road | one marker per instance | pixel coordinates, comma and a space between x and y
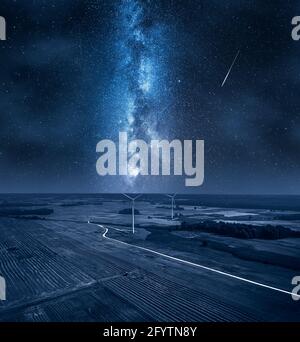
192, 264
70, 271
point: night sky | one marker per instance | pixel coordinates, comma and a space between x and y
76, 72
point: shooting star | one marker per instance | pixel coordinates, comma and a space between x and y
229, 71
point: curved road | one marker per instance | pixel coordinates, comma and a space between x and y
189, 263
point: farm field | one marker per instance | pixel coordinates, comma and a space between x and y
74, 258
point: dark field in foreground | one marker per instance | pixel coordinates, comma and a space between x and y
58, 267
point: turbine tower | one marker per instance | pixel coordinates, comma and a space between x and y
173, 202
132, 209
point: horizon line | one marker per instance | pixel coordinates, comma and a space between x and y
145, 193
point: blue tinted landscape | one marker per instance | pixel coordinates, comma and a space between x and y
222, 258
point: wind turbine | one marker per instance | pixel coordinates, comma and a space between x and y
173, 201
133, 200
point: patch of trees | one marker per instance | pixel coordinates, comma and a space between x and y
242, 231
288, 217
128, 211
23, 212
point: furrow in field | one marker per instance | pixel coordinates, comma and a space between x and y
231, 312
158, 306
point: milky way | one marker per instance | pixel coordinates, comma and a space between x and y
75, 72
141, 66
137, 62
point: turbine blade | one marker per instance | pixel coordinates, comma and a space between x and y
128, 197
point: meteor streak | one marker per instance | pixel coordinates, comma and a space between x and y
229, 71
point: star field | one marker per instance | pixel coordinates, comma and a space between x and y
75, 72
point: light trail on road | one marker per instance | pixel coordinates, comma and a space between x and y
193, 264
